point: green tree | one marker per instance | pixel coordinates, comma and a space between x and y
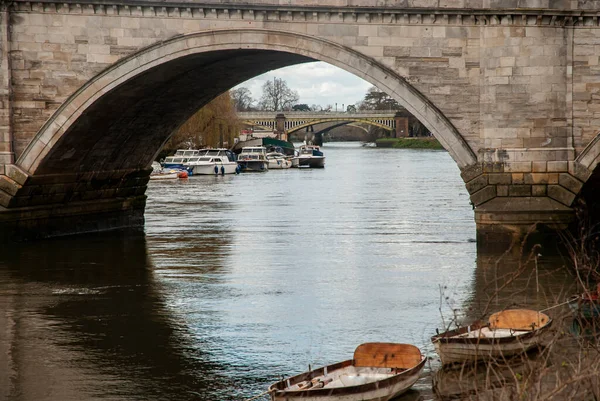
378, 100
301, 107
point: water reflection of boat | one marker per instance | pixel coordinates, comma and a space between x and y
378, 371
309, 156
278, 160
253, 158
491, 381
505, 334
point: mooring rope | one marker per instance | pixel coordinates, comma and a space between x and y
556, 306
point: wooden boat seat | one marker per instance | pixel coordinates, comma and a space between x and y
518, 319
387, 355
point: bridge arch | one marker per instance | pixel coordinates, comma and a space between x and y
123, 116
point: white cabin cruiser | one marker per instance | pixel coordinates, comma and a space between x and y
277, 160
309, 156
213, 162
253, 158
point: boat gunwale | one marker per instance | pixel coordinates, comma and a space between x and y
345, 390
449, 337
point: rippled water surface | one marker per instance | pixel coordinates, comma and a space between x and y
241, 279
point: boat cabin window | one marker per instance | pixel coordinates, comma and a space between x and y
204, 159
192, 159
177, 160
169, 159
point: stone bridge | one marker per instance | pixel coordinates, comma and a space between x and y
91, 90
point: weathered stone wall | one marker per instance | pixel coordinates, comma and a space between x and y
520, 88
6, 155
57, 48
418, 4
585, 72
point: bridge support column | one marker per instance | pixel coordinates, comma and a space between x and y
280, 123
33, 207
512, 199
401, 126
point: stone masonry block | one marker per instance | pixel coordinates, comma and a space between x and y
477, 184
561, 194
483, 195
571, 183
536, 178
502, 190
538, 167
538, 190
578, 171
518, 178
500, 178
16, 174
493, 167
517, 167
557, 166
9, 186
470, 172
519, 190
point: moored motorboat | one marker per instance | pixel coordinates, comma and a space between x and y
181, 157
253, 158
167, 175
278, 160
505, 334
378, 372
213, 162
309, 156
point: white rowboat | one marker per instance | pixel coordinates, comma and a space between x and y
506, 334
378, 372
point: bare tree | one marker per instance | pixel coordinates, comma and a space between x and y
242, 99
277, 96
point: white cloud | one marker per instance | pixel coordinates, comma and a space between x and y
317, 83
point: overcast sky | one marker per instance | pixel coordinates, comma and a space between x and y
317, 83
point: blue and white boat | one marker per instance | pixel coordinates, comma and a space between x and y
181, 156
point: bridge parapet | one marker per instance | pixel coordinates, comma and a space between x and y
294, 121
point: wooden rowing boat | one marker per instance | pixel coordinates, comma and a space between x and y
505, 334
378, 372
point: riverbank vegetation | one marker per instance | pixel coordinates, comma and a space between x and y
427, 142
214, 125
567, 365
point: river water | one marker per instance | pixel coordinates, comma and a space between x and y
240, 279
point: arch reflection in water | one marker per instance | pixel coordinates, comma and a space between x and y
84, 318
